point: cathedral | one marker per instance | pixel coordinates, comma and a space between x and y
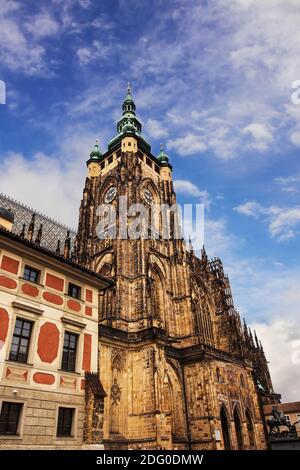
170, 364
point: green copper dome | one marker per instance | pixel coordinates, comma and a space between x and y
95, 153
129, 122
163, 157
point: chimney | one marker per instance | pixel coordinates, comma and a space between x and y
6, 218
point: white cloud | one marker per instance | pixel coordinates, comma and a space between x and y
84, 55
289, 184
155, 129
188, 144
261, 135
217, 238
42, 25
283, 222
243, 79
95, 52
281, 343
295, 138
18, 52
187, 188
53, 185
250, 208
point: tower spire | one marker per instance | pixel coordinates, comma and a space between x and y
129, 122
128, 91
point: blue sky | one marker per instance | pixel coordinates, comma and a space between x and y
213, 81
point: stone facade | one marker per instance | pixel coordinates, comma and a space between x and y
179, 369
162, 361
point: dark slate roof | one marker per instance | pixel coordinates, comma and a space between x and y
94, 382
52, 254
52, 229
6, 214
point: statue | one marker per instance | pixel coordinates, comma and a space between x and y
279, 419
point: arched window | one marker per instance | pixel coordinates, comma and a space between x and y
238, 429
225, 429
250, 429
242, 381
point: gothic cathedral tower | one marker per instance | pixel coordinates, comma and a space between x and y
173, 358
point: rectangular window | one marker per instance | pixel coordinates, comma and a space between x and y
21, 340
110, 160
287, 418
149, 162
156, 169
69, 352
74, 291
65, 422
9, 418
102, 166
31, 274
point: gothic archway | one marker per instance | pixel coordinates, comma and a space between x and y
158, 294
202, 312
238, 429
225, 428
250, 429
176, 404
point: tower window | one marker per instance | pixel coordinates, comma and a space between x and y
129, 144
218, 375
242, 381
9, 418
31, 274
65, 422
74, 291
69, 352
21, 340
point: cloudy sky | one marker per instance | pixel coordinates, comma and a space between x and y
212, 79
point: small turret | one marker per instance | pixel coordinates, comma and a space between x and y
39, 235
204, 257
190, 246
67, 246
163, 157
31, 228
22, 233
93, 162
165, 167
57, 251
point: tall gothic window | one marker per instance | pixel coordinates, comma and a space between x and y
250, 429
238, 429
225, 429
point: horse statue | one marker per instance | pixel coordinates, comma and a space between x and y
279, 419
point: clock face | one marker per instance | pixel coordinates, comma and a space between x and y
110, 195
148, 197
